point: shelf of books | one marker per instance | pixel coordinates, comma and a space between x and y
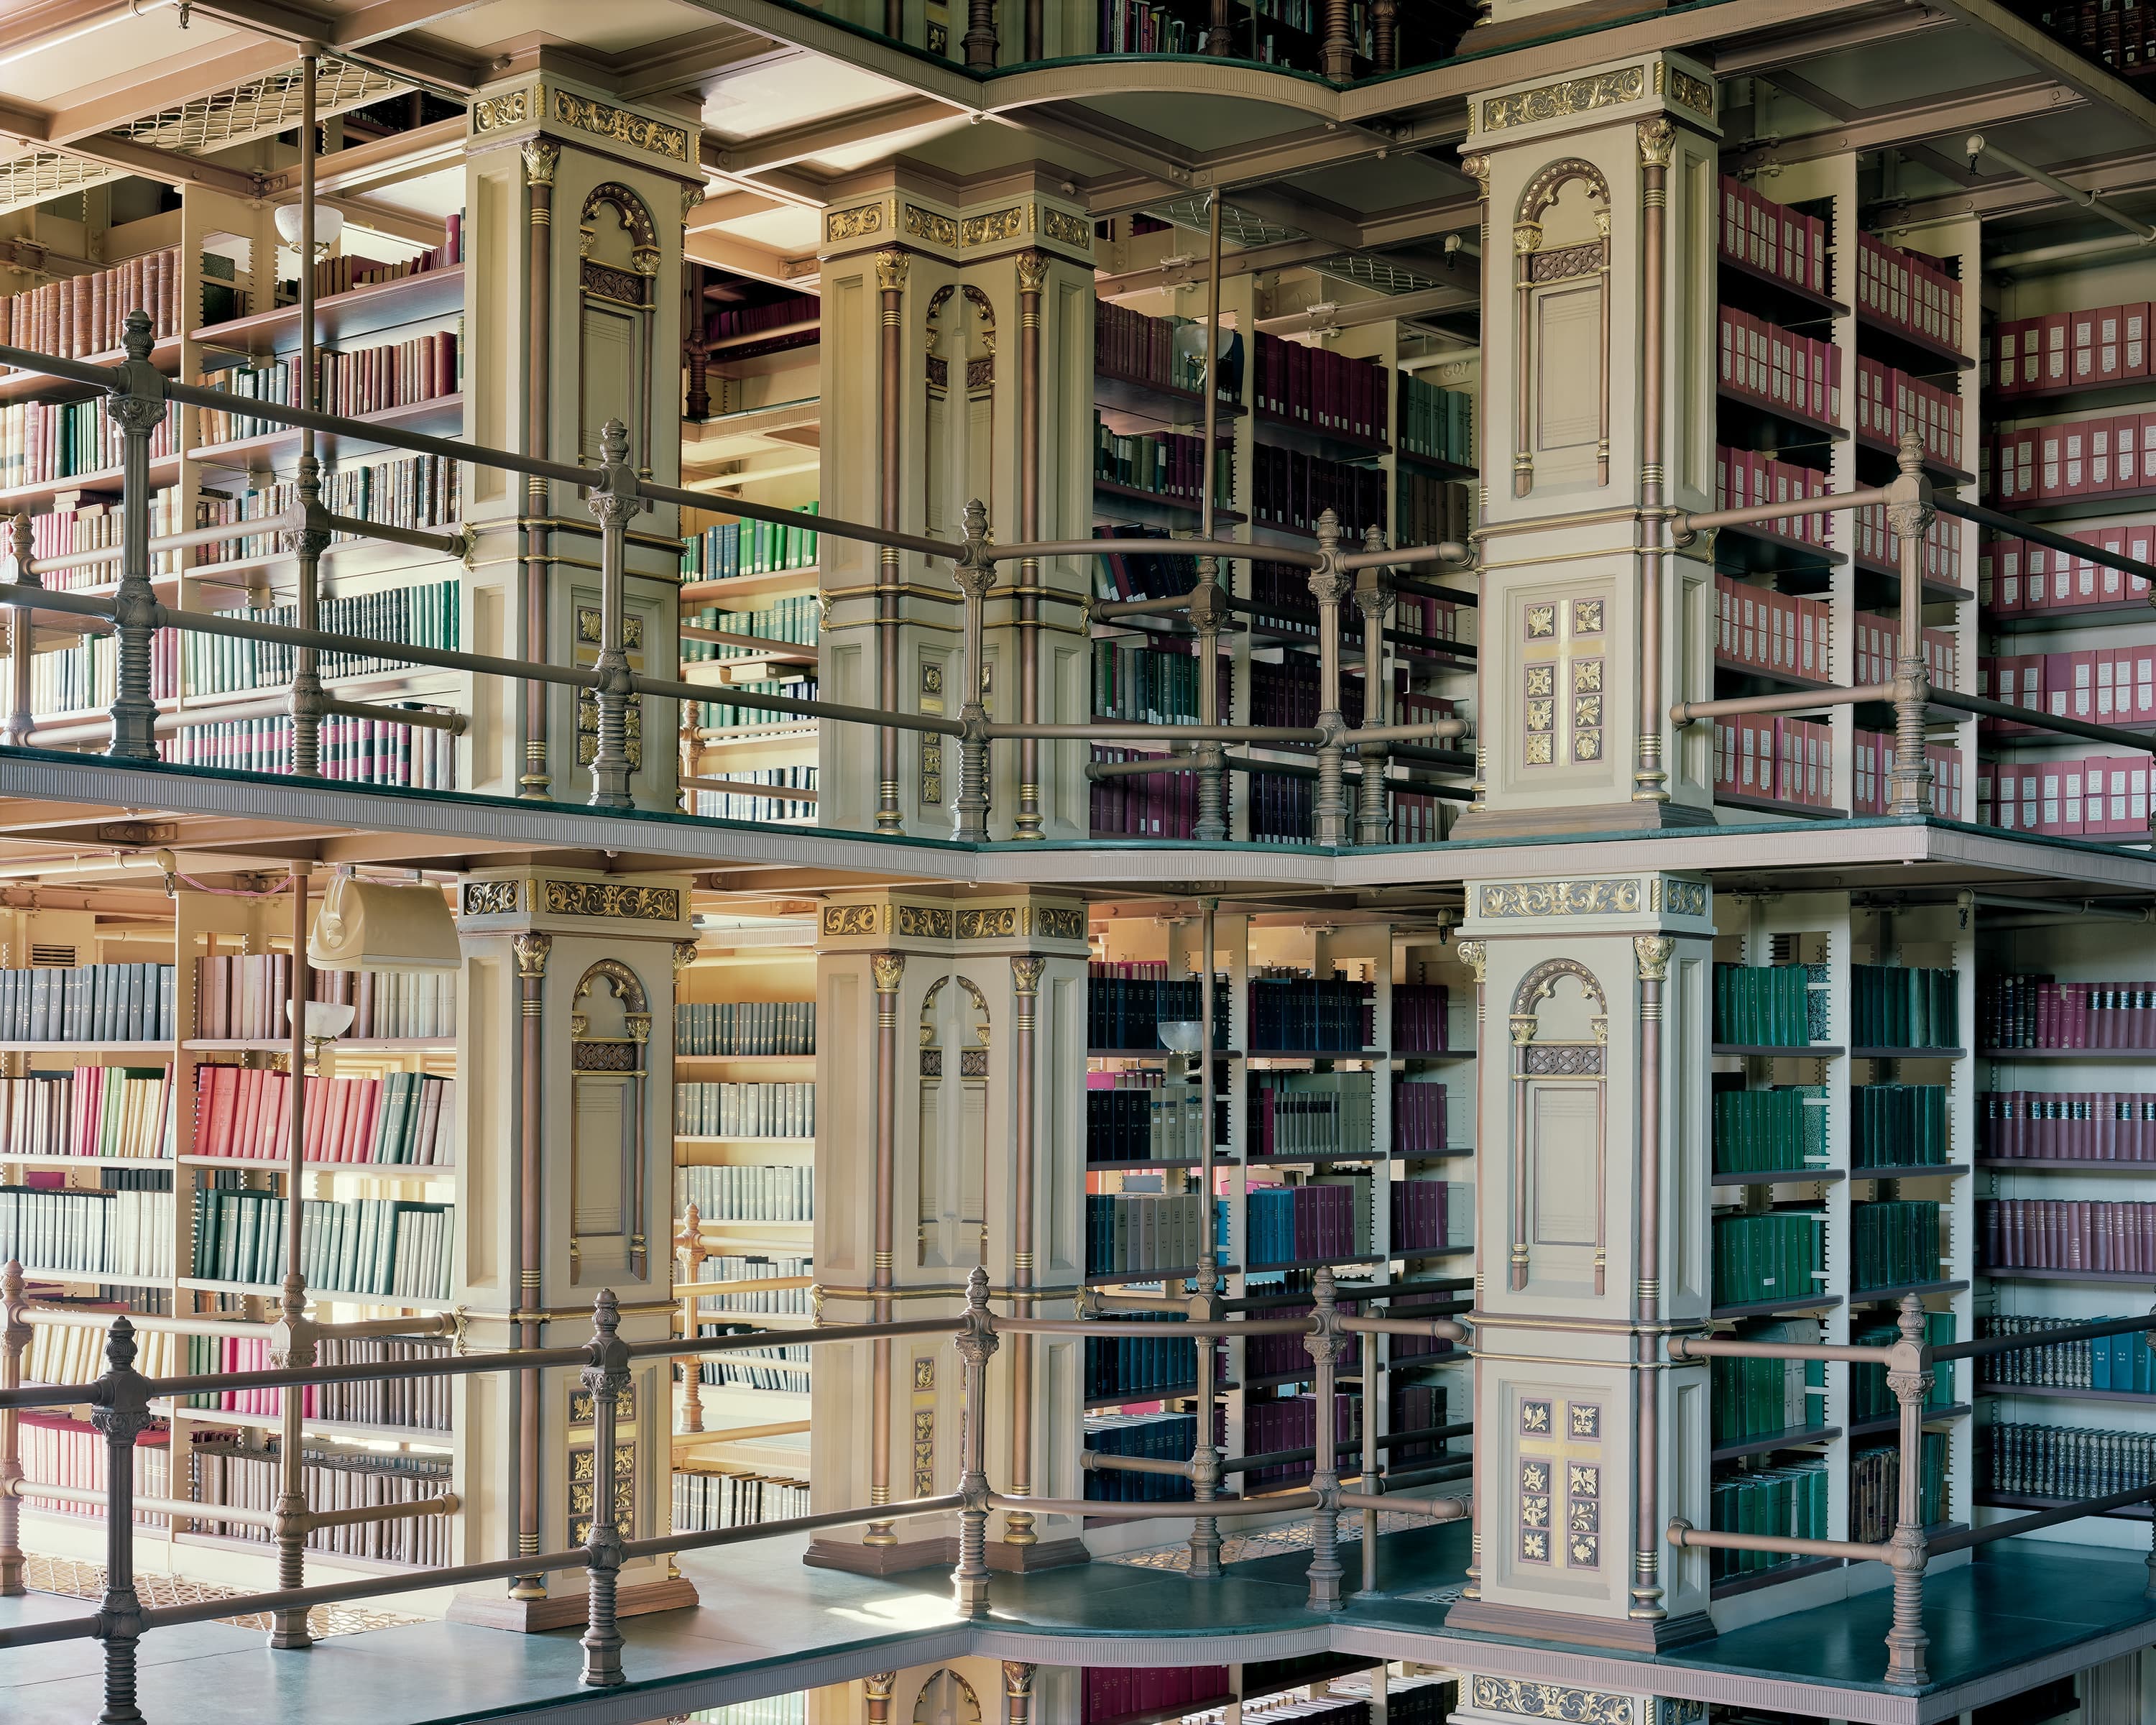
211, 275
143, 1099
1831, 342
2064, 1021
1343, 1140
1361, 426
744, 1155
1843, 1117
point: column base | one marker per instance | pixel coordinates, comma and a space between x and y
1596, 818
531, 1617
855, 1558
1631, 1634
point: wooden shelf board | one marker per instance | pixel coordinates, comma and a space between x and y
1780, 1177
1284, 432
1816, 431
33, 1273
1171, 1393
1935, 592
1395, 1154
162, 1051
1761, 674
364, 310
1119, 394
1788, 1439
55, 1160
1115, 501
2063, 1165
2065, 1393
1223, 1160
320, 1427
1911, 1171
1435, 464
1770, 1308
1881, 1297
1906, 350
1152, 1054
2010, 407
1317, 1263
736, 1060
804, 1139
2118, 1278
718, 590
1814, 307
1799, 1051
1941, 470
374, 1170
1908, 1054
164, 470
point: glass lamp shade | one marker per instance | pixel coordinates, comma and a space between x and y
1182, 1036
326, 1020
329, 223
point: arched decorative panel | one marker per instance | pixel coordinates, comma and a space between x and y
1559, 1126
1561, 275
609, 1032
954, 1140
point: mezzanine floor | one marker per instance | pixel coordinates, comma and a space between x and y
2026, 1612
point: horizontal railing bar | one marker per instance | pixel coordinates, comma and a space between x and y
1154, 1511
456, 724
1443, 1328
760, 1285
1683, 1534
2043, 1339
449, 545
1431, 590
285, 521
1134, 730
1706, 519
2043, 720
674, 1347
1688, 712
1234, 548
371, 1587
366, 1514
179, 1509
660, 1543
1408, 557
1408, 1479
58, 1629
1716, 1347
51, 365
1961, 1538
1426, 730
822, 526
1099, 1460
1126, 1327
1434, 1509
2019, 529
667, 689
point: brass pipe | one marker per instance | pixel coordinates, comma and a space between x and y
532, 950
293, 1344
540, 157
1689, 712
1033, 267
891, 268
888, 970
1026, 972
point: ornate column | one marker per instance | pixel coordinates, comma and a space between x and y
541, 156
1657, 142
1018, 1693
120, 1411
1373, 599
1651, 953
877, 1686
1033, 267
1025, 987
890, 270
1476, 955
1909, 514
1328, 586
138, 407
889, 969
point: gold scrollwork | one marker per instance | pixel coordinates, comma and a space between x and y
512, 107
639, 131
999, 922
1059, 923
1553, 102
492, 898
924, 922
849, 919
1652, 951
1557, 898
1065, 228
1529, 1700
995, 225
612, 898
931, 225
852, 224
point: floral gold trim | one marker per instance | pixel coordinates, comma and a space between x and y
840, 225
1066, 229
639, 131
611, 898
994, 225
1554, 101
849, 919
924, 922
497, 113
931, 225
492, 898
1000, 923
1687, 91
1552, 1701
1557, 898
1059, 923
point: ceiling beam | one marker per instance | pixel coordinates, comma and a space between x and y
1912, 122
1195, 271
800, 143
2010, 195
1410, 222
758, 263
724, 207
1767, 51
379, 161
172, 84
864, 49
393, 45
689, 62
2056, 61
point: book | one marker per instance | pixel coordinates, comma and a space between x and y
745, 1110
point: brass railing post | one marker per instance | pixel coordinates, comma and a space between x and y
888, 972
1909, 515
1324, 1343
1338, 52
1384, 39
309, 541
974, 574
1026, 972
1209, 615
1373, 597
1909, 1377
1033, 267
1329, 584
969, 1581
292, 1343
690, 1240
532, 949
14, 1342
119, 1409
139, 406
22, 640
979, 41
605, 1378
612, 500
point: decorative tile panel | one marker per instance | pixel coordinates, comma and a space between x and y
1529, 1700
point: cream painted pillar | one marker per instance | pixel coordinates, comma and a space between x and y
566, 1100
1592, 1244
934, 1153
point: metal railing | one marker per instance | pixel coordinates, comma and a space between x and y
1908, 1361
137, 396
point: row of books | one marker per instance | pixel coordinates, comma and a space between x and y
783, 1367
1421, 1216
1319, 387
1142, 1117
1778, 1256
1773, 758
1430, 510
1167, 464
1429, 1702
753, 1192
2067, 1126
1289, 488
422, 615
56, 1450
2123, 1364
755, 805
1762, 362
419, 1404
1289, 1422
1772, 238
404, 1119
2063, 1461
356, 750
2106, 454
1787, 1502
1767, 1131
745, 1110
341, 274
2120, 38
1750, 1399
1310, 1014
96, 526
74, 1353
410, 492
1878, 643
707, 1497
1327, 1218
244, 996
1419, 1118
85, 315
49, 440
1890, 401
360, 1246
1436, 422
1870, 1397
90, 1003
1420, 1015
1745, 479
1904, 1006
755, 1267
1154, 1437
1909, 291
1288, 1356
249, 1477
723, 322
1875, 1476
1146, 350
1286, 693
1295, 1114
746, 547
744, 1027
1134, 1365
2087, 348
1874, 756
796, 619
2067, 1234
2079, 797
1764, 630
720, 718
90, 1110
83, 676
367, 380
2039, 1011
1105, 1693
2017, 578
1876, 543
86, 1234
1896, 1125
1130, 573
1152, 683
1894, 1243
1128, 1000
1771, 1005
1282, 809
1131, 1231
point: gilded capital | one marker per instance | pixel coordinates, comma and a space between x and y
1476, 955
692, 196
889, 969
1025, 974
1477, 168
541, 155
1652, 951
891, 268
1657, 140
1523, 1029
1527, 237
685, 955
1032, 271
531, 949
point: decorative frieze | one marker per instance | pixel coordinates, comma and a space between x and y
1553, 1701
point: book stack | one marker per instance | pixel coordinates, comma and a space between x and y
341, 275
1772, 238
1764, 630
1770, 1005
1153, 683
1288, 694
423, 615
2031, 1011
368, 380
1869, 1396
1776, 1256
1892, 1125
750, 805
85, 315
1297, 1114
1436, 423
2103, 455
1143, 1117
1875, 543
756, 1268
1787, 1502
784, 1369
1770, 1131
419, 1404
1328, 1219
1289, 488
243, 997
1774, 759
1429, 510
1127, 1001
1281, 808
724, 323
91, 1110
1761, 361
1167, 463
1419, 1123
58, 1451
248, 1477
1904, 1006
1110, 1693
2089, 796
1156, 1437
1417, 1407
1744, 478
405, 1119
1311, 1014
74, 1352
1316, 387
1288, 1356
757, 1191
84, 677
1874, 753
796, 620
2067, 1126
357, 751
716, 718
1136, 1231
96, 526
2088, 1235
2083, 349
1908, 291
1149, 805
411, 491
1412, 818
1422, 1700
2125, 1364
2103, 684
1879, 650
2026, 579
1134, 1366
707, 1497
2063, 1461
49, 440
1889, 402
1130, 345
1419, 1018
1419, 1347
1290, 1423
732, 548
1895, 1244
86, 1234
744, 1027
1762, 1398
1420, 1215
1132, 574
745, 1110
360, 1245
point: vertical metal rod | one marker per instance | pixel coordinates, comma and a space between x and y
22, 640
691, 1240
532, 950
891, 267
1657, 143
293, 1344
1910, 1378
121, 1410
1033, 267
1207, 611
139, 407
612, 500
306, 690
1384, 37
1328, 585
542, 157
1220, 31
969, 1581
1909, 514
1651, 954
1205, 1453
889, 972
1374, 598
1323, 1342
974, 575
1376, 1392
14, 1342
1026, 972
1474, 954
605, 1378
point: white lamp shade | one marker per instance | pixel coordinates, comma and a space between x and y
373, 924
326, 1020
329, 223
1182, 1036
